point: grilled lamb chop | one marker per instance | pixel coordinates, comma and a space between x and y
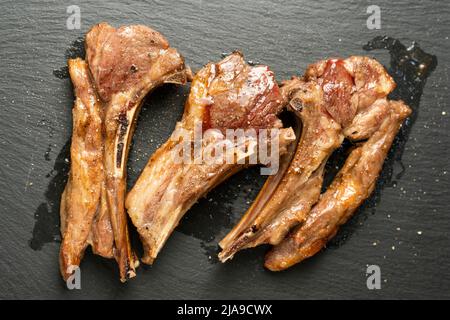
123, 65
353, 184
336, 99
81, 197
126, 64
229, 94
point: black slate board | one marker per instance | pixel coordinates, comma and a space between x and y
36, 124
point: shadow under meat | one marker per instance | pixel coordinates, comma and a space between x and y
46, 226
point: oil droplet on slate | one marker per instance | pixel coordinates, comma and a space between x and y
410, 67
61, 73
47, 153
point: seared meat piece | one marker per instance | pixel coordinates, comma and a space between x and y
81, 198
353, 184
229, 94
295, 190
335, 99
126, 63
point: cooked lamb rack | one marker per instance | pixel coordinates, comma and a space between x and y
229, 94
336, 99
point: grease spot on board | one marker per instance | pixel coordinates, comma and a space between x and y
46, 226
214, 216
47, 154
47, 222
75, 50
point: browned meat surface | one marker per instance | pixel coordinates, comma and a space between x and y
335, 99
102, 236
122, 66
81, 198
297, 189
126, 64
224, 95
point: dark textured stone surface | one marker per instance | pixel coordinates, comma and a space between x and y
35, 125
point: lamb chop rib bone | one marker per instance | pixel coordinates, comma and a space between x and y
225, 95
336, 99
